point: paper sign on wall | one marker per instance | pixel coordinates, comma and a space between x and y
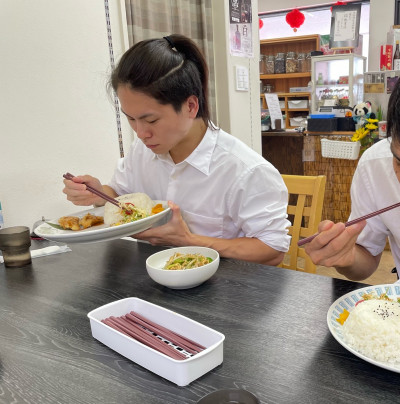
274, 108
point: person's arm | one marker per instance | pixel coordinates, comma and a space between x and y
243, 248
177, 233
335, 246
78, 194
364, 265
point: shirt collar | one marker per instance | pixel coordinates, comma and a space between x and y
201, 156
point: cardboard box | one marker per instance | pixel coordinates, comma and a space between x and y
393, 35
386, 57
299, 90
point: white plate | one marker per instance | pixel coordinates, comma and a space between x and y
101, 232
348, 302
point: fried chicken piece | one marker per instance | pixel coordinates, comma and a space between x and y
90, 220
69, 222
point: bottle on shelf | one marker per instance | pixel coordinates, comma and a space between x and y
308, 62
270, 64
396, 57
301, 63
262, 64
280, 63
291, 62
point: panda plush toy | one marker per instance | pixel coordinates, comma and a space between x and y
362, 111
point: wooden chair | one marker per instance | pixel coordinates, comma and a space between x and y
306, 197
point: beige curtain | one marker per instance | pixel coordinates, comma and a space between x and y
157, 18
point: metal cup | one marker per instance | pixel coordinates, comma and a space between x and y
14, 244
227, 396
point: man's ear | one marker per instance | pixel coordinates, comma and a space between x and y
192, 105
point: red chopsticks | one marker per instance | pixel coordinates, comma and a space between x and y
351, 222
154, 335
69, 176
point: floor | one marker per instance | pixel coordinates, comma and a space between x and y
381, 276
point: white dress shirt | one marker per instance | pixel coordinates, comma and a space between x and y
375, 186
224, 188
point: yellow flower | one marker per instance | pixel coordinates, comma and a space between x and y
359, 134
371, 126
370, 120
363, 134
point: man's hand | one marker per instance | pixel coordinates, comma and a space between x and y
175, 232
78, 194
335, 244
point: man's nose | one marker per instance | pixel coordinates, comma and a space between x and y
142, 131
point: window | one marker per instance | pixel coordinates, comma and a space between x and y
318, 21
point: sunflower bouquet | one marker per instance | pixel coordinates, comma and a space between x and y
366, 134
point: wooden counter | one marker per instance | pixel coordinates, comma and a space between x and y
285, 151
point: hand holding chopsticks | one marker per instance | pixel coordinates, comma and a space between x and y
351, 222
108, 198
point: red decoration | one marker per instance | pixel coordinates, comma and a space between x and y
295, 19
339, 3
260, 23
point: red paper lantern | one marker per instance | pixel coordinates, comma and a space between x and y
295, 19
339, 3
260, 23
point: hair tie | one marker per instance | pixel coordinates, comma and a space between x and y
171, 42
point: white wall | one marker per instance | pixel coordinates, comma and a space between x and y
238, 112
56, 114
382, 17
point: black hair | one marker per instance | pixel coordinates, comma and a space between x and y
169, 69
393, 114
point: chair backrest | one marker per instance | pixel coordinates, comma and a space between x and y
306, 197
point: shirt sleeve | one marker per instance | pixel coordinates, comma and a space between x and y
373, 237
258, 204
122, 179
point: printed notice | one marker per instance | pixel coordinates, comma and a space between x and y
240, 32
274, 108
345, 26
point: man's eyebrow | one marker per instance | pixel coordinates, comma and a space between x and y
394, 155
140, 117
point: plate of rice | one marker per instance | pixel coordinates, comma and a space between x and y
367, 323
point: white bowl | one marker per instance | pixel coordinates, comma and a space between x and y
181, 278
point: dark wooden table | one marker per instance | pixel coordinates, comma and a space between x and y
277, 344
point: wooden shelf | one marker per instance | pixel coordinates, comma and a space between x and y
291, 95
302, 40
284, 76
282, 133
302, 94
284, 149
335, 133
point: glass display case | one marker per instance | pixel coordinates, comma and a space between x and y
337, 80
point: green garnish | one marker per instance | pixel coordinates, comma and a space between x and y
56, 226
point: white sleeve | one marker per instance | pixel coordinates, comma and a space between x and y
374, 235
258, 205
122, 181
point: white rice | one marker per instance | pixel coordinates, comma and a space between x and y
112, 213
373, 329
